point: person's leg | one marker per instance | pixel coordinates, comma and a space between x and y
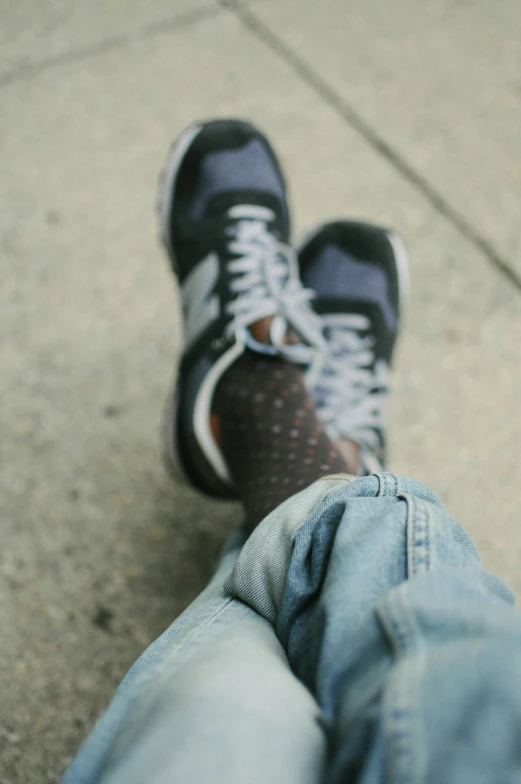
271, 436
412, 650
241, 423
214, 700
379, 600
369, 592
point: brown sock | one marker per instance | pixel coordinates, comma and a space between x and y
269, 433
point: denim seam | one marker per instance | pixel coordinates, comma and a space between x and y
401, 716
152, 668
388, 484
418, 535
402, 725
104, 730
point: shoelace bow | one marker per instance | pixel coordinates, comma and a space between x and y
266, 282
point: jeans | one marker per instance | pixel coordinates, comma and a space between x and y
354, 636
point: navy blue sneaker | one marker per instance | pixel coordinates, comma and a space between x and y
225, 224
360, 273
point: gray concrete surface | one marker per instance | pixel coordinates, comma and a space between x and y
439, 82
405, 118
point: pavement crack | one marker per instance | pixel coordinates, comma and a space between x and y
165, 26
357, 122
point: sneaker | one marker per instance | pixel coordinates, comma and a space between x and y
360, 273
225, 224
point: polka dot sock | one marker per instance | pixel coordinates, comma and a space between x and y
269, 433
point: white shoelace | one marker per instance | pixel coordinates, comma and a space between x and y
266, 281
351, 395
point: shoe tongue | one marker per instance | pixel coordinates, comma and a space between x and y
251, 212
220, 206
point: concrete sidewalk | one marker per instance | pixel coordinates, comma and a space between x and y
411, 118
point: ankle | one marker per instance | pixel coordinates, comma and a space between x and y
270, 435
350, 451
260, 330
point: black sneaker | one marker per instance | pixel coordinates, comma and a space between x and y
360, 273
225, 223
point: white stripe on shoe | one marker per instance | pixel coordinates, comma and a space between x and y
203, 410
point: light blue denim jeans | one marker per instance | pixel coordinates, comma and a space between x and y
354, 637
